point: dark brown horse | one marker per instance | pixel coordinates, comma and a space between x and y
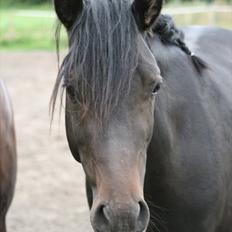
166, 154
7, 155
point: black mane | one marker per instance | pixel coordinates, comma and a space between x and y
170, 35
102, 56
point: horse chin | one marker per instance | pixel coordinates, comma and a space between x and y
123, 230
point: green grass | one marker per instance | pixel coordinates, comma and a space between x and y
19, 32
28, 33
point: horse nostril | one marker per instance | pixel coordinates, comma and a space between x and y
120, 217
143, 217
100, 219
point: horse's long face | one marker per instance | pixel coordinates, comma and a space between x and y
113, 149
114, 158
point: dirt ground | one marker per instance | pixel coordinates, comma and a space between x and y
50, 194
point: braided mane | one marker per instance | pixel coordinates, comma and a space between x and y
170, 35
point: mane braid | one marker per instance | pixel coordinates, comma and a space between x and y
102, 57
169, 34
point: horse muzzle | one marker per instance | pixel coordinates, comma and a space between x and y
120, 216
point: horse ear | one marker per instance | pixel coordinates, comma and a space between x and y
146, 12
68, 10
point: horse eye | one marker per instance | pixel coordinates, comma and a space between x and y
156, 89
70, 91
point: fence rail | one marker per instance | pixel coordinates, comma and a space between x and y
211, 11
198, 10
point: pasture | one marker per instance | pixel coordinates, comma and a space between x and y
34, 28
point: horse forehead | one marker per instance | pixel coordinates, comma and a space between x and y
146, 56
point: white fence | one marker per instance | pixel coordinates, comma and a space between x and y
211, 11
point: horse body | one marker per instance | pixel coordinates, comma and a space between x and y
7, 155
189, 158
172, 151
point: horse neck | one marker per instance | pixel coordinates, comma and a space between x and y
179, 88
6, 113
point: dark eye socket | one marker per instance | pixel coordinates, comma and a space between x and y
157, 88
71, 91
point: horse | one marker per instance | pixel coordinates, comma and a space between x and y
7, 155
148, 114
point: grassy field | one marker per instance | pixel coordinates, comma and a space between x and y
33, 28
26, 32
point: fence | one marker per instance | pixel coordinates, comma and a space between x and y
184, 16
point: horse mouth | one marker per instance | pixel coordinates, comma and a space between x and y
127, 217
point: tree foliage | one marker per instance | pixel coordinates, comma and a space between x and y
36, 2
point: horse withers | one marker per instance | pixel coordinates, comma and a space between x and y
7, 155
155, 158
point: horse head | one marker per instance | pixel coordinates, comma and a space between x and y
111, 79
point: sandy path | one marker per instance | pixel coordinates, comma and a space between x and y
50, 194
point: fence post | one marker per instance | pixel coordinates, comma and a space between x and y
212, 16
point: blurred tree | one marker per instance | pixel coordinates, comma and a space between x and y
167, 1
29, 2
